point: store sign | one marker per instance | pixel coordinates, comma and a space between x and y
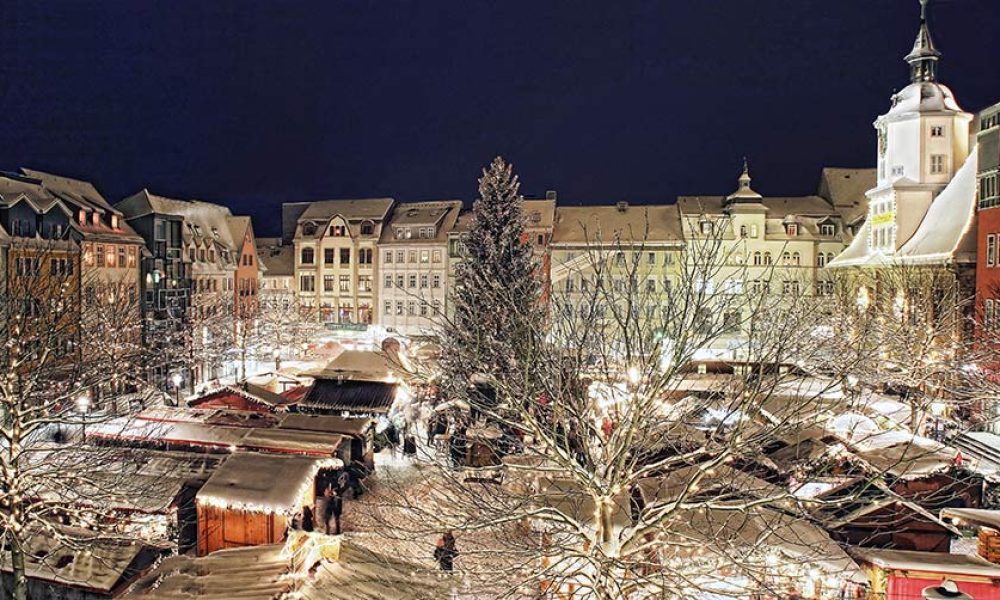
347, 326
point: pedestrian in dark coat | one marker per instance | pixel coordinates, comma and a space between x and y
457, 446
333, 509
409, 444
446, 551
307, 519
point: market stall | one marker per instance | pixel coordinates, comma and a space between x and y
252, 498
904, 575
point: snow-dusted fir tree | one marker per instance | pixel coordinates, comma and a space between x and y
496, 298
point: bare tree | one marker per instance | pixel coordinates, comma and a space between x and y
604, 464
71, 350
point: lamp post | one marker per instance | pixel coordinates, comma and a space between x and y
83, 407
176, 380
277, 360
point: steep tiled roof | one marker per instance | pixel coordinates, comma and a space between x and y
603, 224
277, 257
366, 208
440, 214
845, 189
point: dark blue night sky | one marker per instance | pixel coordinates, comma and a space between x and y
253, 103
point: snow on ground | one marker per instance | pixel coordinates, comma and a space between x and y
380, 521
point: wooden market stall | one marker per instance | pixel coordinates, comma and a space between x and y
987, 526
252, 498
904, 574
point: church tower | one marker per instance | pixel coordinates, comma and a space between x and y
922, 141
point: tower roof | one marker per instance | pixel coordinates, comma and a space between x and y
924, 56
744, 193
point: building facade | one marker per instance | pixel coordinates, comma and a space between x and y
921, 220
413, 266
201, 281
336, 258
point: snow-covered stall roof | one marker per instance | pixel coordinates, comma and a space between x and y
254, 573
361, 573
974, 516
927, 562
270, 572
359, 365
216, 436
352, 426
263, 482
92, 564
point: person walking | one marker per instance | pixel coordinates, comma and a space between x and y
446, 551
333, 508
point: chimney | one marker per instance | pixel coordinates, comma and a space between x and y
621, 205
550, 195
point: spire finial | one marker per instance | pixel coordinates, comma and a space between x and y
923, 58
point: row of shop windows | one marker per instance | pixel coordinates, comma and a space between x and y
307, 283
413, 256
307, 256
410, 281
110, 256
412, 308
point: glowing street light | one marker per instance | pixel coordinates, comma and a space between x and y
277, 359
176, 379
83, 407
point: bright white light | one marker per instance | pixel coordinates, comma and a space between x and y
176, 379
937, 408
634, 375
83, 403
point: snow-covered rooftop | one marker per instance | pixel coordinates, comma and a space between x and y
263, 482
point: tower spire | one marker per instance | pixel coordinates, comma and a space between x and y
924, 57
744, 192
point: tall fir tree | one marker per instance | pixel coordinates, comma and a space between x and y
496, 299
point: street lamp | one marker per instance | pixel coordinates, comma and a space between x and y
176, 380
277, 360
83, 407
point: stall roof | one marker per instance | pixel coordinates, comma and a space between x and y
351, 426
348, 395
359, 365
362, 573
262, 482
254, 573
216, 436
974, 516
266, 572
96, 565
927, 562
245, 390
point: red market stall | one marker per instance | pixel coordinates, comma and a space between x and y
904, 574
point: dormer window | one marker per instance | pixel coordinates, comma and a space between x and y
367, 228
308, 229
114, 221
407, 233
792, 229
82, 217
827, 229
96, 219
338, 230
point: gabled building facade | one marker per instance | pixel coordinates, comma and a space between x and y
413, 267
336, 258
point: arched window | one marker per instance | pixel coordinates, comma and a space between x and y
786, 258
767, 258
820, 260
796, 259
756, 258
829, 257
743, 231
308, 256
367, 228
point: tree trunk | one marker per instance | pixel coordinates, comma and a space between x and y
20, 588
